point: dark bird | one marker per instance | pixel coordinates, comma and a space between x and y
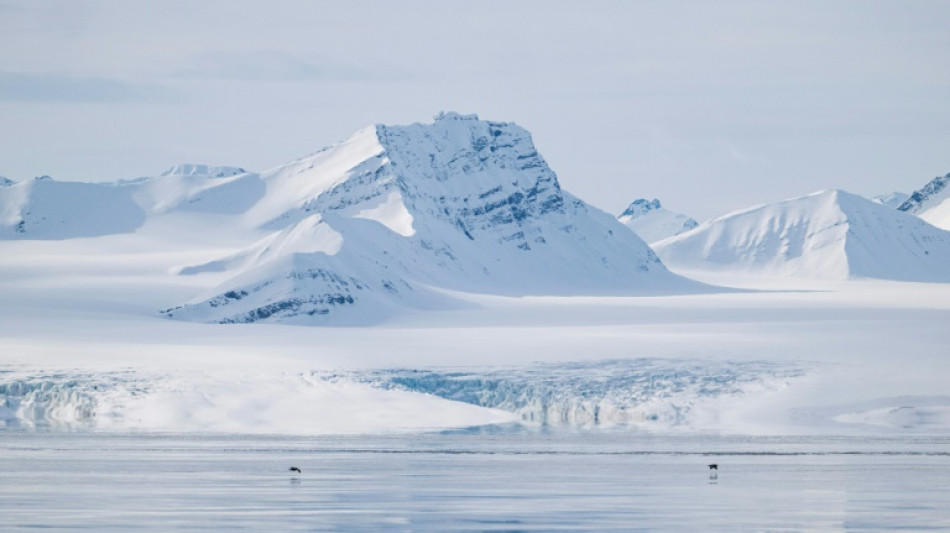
294, 469
714, 467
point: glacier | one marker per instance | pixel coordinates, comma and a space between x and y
426, 236
657, 393
646, 393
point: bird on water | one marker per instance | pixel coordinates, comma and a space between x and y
294, 469
714, 467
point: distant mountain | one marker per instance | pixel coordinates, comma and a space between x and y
892, 200
188, 169
198, 188
44, 208
931, 202
395, 215
652, 222
829, 234
6, 182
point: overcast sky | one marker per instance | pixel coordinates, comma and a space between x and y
710, 106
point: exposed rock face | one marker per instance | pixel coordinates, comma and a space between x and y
388, 219
933, 192
391, 215
931, 202
189, 169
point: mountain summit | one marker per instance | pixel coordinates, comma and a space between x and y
931, 202
395, 215
829, 234
652, 222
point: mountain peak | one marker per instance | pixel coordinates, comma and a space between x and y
931, 202
640, 207
381, 219
6, 182
649, 220
190, 169
934, 191
892, 199
828, 234
452, 115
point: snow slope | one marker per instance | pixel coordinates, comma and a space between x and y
395, 214
198, 188
829, 234
43, 208
931, 202
652, 222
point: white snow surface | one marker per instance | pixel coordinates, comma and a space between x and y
392, 213
829, 234
938, 215
652, 222
81, 348
43, 208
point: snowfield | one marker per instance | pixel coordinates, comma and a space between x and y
83, 347
456, 285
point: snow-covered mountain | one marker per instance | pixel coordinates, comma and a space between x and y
931, 202
190, 169
198, 188
652, 222
43, 208
395, 214
828, 234
891, 199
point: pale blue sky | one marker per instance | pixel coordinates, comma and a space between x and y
709, 106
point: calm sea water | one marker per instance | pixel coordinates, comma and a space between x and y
471, 481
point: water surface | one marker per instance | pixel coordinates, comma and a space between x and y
470, 481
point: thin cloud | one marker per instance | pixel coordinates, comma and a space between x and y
274, 65
52, 87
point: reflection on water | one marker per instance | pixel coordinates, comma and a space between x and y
470, 481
